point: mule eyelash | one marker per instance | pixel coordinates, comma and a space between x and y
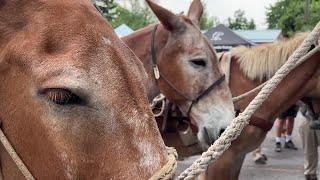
62, 96
199, 62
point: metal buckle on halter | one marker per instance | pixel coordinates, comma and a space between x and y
156, 72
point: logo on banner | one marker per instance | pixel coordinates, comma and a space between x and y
217, 36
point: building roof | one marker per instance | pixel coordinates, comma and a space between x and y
123, 30
224, 38
260, 36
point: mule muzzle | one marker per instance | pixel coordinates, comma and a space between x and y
209, 136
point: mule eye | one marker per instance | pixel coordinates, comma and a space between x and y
198, 62
62, 96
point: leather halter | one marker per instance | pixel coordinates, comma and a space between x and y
159, 75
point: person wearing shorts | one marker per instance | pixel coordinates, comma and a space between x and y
286, 121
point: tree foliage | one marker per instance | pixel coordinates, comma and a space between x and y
108, 8
239, 21
293, 15
137, 17
207, 22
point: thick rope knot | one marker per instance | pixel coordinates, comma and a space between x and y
238, 124
168, 170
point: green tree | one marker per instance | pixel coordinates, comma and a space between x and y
239, 21
293, 15
252, 25
207, 22
144, 11
108, 8
133, 19
137, 17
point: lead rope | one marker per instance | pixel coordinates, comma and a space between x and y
249, 93
15, 157
237, 124
168, 170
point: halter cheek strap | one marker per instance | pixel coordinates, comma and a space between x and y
158, 75
206, 92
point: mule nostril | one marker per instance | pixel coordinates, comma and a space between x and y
221, 131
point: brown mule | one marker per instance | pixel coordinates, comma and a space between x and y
188, 67
73, 103
249, 68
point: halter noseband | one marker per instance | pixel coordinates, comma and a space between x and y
159, 75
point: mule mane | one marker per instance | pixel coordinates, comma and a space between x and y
261, 62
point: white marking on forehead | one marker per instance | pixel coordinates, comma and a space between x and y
106, 41
63, 73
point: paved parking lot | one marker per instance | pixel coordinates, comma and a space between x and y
285, 165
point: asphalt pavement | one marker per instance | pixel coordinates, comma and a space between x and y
287, 164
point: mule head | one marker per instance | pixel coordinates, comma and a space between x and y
57, 61
190, 63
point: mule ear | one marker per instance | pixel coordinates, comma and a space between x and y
169, 20
195, 11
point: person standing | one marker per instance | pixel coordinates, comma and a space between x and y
286, 120
310, 142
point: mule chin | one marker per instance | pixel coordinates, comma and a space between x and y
207, 137
212, 124
202, 142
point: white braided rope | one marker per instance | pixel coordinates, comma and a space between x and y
168, 170
249, 93
157, 99
15, 157
162, 99
237, 124
162, 108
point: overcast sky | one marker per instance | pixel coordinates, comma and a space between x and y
223, 9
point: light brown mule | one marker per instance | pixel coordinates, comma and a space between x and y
249, 68
73, 104
188, 68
